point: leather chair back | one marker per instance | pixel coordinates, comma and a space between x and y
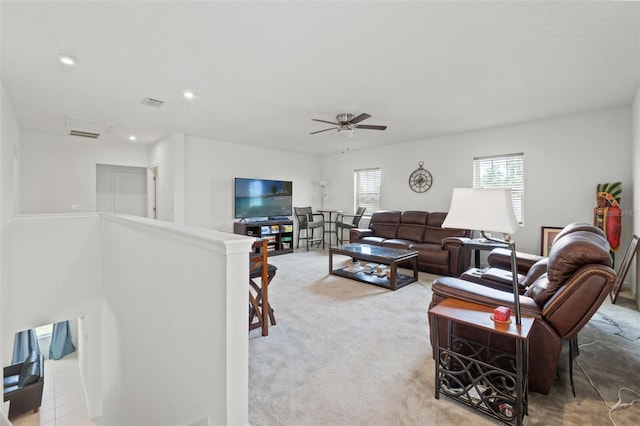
304, 215
578, 278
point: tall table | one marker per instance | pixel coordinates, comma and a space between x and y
329, 224
476, 375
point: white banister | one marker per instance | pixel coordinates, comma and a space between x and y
170, 302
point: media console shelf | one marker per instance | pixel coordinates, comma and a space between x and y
278, 233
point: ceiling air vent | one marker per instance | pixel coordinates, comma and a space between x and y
152, 102
87, 128
84, 134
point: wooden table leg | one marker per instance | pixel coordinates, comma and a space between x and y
394, 275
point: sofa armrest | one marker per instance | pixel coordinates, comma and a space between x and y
456, 288
459, 257
501, 258
454, 241
12, 370
358, 233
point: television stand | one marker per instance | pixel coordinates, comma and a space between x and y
278, 233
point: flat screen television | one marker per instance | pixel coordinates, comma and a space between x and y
263, 198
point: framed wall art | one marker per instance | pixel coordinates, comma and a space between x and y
547, 235
625, 265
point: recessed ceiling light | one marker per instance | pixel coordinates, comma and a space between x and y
189, 94
132, 138
67, 60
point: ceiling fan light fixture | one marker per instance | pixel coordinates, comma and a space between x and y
347, 132
347, 123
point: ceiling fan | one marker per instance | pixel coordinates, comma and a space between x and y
347, 122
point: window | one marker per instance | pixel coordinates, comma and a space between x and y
44, 330
502, 171
366, 188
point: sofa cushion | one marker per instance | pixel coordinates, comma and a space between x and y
414, 217
434, 233
385, 223
412, 225
397, 243
374, 241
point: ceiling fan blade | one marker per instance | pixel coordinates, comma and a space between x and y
325, 130
370, 126
324, 121
359, 118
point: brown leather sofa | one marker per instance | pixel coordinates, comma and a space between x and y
440, 251
562, 293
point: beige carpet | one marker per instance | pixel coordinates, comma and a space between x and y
348, 353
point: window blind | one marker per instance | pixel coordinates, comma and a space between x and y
367, 189
502, 171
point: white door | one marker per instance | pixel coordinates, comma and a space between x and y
130, 192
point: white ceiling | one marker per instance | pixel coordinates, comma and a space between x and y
262, 70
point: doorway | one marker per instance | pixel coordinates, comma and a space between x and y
152, 192
121, 189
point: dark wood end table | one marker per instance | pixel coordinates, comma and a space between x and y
478, 378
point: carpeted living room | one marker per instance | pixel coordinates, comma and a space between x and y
148, 147
347, 353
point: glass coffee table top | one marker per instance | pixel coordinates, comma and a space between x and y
366, 249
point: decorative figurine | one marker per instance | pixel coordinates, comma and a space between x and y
607, 215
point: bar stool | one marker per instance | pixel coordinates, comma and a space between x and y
259, 317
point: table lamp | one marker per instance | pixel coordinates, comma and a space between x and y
487, 210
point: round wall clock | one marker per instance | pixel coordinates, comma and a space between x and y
420, 180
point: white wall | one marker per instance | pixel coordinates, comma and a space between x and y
174, 324
565, 158
57, 171
9, 152
210, 169
58, 258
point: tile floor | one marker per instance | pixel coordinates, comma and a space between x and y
63, 402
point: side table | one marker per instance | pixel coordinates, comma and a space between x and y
476, 375
479, 244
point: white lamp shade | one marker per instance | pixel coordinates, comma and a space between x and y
482, 210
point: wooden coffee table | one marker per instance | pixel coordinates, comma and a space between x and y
380, 255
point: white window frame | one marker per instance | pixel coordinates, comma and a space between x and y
508, 173
366, 189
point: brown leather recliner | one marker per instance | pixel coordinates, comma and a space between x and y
530, 266
562, 293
